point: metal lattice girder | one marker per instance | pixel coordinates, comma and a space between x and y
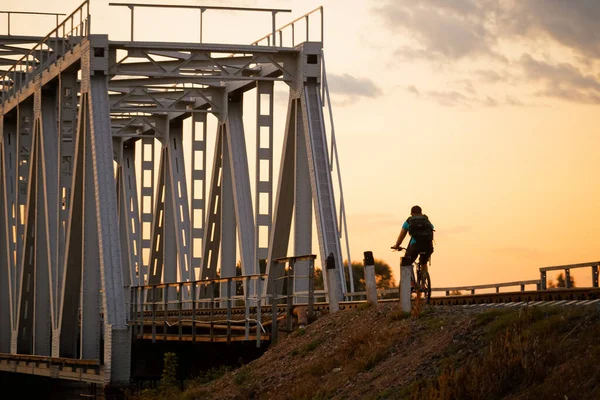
263, 202
212, 227
198, 190
129, 220
147, 203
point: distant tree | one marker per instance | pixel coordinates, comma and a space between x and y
455, 293
561, 281
383, 276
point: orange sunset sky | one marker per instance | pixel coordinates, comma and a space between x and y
485, 113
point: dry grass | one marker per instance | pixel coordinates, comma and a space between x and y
526, 347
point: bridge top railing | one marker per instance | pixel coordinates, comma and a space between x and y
290, 29
202, 9
59, 41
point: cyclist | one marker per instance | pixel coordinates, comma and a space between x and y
421, 238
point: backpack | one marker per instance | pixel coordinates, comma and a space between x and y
420, 228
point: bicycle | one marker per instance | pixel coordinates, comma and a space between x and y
423, 281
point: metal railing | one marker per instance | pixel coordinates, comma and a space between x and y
58, 42
567, 268
290, 27
157, 305
9, 13
202, 9
497, 286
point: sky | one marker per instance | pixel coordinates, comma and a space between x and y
484, 113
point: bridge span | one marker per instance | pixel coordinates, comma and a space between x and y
114, 228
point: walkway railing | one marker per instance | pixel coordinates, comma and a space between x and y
10, 13
286, 285
58, 42
202, 9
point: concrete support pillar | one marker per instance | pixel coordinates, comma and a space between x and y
332, 280
405, 273
370, 283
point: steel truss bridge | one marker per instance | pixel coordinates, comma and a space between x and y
105, 187
113, 228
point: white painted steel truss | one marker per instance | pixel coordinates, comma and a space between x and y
96, 195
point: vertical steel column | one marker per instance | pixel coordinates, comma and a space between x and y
228, 221
264, 160
24, 133
46, 218
73, 260
5, 324
244, 215
50, 162
8, 128
90, 275
284, 202
198, 191
321, 183
147, 204
117, 338
595, 276
303, 215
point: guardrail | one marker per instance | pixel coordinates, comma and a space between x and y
289, 294
567, 268
271, 38
382, 293
61, 40
202, 9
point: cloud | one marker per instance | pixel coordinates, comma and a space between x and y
563, 81
572, 23
351, 87
441, 29
455, 98
461, 35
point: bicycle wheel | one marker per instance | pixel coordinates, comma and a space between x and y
426, 285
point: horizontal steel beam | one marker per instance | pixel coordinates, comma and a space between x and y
200, 7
